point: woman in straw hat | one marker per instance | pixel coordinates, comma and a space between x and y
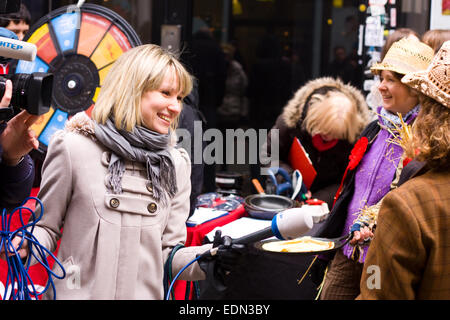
374, 99
410, 246
375, 163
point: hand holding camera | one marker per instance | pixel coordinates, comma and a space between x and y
24, 98
17, 139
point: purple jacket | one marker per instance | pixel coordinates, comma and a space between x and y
373, 178
15, 182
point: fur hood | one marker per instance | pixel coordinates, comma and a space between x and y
293, 110
83, 124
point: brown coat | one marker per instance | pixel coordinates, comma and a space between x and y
112, 246
411, 247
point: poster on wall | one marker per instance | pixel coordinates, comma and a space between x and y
446, 7
440, 14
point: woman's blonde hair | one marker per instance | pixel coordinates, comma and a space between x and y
431, 136
334, 114
137, 71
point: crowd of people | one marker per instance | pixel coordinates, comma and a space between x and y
124, 201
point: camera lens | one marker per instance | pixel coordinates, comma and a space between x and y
32, 92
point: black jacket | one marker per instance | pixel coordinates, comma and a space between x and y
15, 182
188, 116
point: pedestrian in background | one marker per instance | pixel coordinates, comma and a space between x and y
435, 38
17, 22
327, 116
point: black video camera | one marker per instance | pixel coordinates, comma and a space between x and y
32, 92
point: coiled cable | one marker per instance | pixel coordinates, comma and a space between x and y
19, 285
178, 274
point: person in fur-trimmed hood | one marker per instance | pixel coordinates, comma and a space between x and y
327, 116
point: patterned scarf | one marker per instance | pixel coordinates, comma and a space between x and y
141, 145
388, 119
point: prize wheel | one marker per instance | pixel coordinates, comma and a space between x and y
78, 46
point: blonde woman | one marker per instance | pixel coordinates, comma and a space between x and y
327, 117
374, 166
412, 250
118, 187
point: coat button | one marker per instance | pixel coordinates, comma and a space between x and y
114, 202
152, 207
149, 188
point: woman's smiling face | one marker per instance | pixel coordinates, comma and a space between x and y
161, 107
397, 97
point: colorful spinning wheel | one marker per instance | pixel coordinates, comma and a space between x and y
78, 47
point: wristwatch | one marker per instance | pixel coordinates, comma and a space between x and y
6, 113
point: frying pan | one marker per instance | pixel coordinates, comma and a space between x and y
338, 243
266, 206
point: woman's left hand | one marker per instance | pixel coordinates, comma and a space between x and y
363, 235
16, 243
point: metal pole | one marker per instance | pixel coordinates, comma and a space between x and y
317, 38
225, 20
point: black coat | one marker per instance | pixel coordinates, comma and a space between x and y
188, 116
15, 182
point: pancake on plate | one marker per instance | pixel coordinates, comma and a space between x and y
303, 244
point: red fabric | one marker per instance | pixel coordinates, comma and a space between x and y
321, 144
195, 236
406, 161
358, 152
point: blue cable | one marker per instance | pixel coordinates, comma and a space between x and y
179, 273
17, 274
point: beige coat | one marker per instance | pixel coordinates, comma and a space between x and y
112, 246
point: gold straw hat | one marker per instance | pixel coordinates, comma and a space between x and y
435, 81
404, 56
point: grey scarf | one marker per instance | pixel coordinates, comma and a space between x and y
141, 145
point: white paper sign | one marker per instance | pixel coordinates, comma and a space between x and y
374, 32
